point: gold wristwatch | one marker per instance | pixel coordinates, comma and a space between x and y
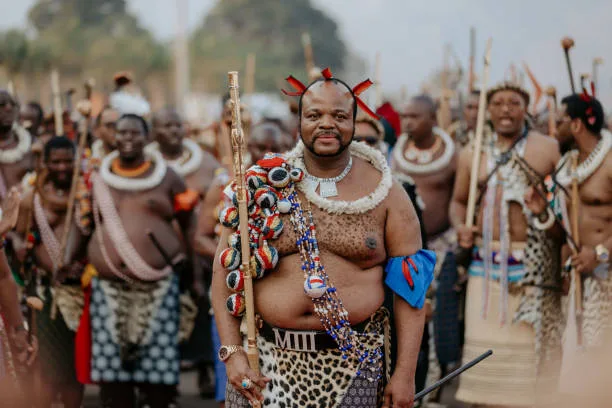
603, 255
226, 352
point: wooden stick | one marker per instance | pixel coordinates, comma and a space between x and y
471, 206
10, 88
576, 236
308, 54
57, 103
377, 81
239, 146
249, 86
551, 92
537, 87
594, 76
471, 78
567, 43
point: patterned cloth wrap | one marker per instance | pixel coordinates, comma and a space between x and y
516, 268
135, 331
317, 379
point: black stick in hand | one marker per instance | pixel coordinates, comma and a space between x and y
452, 375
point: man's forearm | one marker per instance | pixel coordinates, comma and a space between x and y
409, 324
457, 212
9, 301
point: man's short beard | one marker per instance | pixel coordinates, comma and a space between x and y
340, 150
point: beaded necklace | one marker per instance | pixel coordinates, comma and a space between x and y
327, 304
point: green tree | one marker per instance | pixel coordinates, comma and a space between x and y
270, 28
13, 50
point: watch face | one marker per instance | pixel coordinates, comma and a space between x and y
223, 352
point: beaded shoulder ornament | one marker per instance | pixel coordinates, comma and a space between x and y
272, 189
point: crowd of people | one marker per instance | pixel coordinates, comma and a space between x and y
370, 251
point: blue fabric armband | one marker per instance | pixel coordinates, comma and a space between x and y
410, 276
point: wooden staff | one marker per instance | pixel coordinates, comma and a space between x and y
57, 103
551, 92
10, 88
576, 249
471, 205
567, 43
471, 77
596, 63
249, 86
444, 113
377, 81
308, 54
239, 148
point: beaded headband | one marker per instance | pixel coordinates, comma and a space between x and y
509, 86
300, 89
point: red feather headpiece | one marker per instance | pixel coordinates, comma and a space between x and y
589, 100
356, 91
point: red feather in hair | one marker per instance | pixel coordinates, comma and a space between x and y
327, 74
362, 87
296, 84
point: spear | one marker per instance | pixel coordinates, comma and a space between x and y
567, 43
239, 146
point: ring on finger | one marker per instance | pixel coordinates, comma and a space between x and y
246, 383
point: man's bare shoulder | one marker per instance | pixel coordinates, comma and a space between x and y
209, 162
546, 148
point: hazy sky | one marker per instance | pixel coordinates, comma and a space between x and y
410, 34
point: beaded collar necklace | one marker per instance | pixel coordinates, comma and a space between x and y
24, 142
327, 186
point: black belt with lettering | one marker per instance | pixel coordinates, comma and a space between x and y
302, 340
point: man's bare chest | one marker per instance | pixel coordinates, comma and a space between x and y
596, 190
135, 204
359, 238
13, 173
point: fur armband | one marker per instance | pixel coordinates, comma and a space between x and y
186, 201
410, 276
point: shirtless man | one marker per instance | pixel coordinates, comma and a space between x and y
105, 127
183, 155
138, 259
47, 208
16, 158
582, 118
513, 276
362, 219
427, 155
462, 131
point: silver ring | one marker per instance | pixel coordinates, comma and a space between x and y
246, 383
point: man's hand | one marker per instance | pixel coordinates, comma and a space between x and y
399, 393
534, 201
237, 368
26, 353
465, 236
585, 261
10, 211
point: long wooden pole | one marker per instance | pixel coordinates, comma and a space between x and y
472, 75
568, 43
249, 86
239, 147
595, 77
57, 103
576, 249
471, 205
308, 54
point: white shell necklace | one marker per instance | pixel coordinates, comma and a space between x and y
24, 142
590, 165
327, 186
426, 168
134, 184
190, 160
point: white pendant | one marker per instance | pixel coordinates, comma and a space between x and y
314, 286
424, 157
328, 189
311, 185
411, 154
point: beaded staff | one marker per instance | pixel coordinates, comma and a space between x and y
238, 146
471, 205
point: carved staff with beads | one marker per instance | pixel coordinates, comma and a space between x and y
239, 150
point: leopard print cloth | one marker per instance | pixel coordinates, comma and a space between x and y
321, 379
597, 311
